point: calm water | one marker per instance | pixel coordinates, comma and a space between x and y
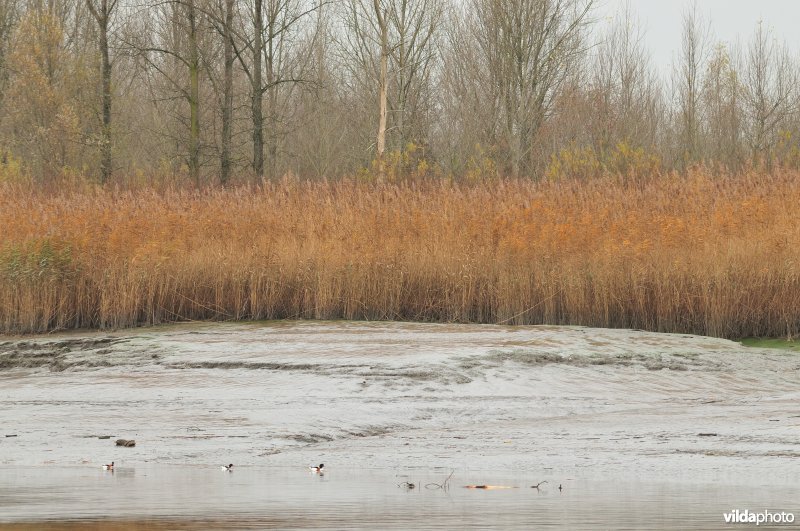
641, 430
258, 497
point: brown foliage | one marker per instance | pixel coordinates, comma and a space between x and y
696, 254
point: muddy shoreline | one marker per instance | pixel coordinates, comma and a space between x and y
557, 403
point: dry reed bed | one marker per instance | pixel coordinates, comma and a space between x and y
701, 253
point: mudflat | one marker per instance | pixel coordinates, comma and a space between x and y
640, 429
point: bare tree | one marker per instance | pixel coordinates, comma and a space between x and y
624, 89
466, 133
270, 61
414, 22
227, 104
364, 48
9, 14
770, 85
322, 137
102, 13
175, 47
688, 73
525, 50
257, 90
193, 62
721, 99
381, 15
391, 54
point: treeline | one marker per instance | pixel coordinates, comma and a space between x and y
220, 90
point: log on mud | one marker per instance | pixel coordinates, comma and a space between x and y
126, 442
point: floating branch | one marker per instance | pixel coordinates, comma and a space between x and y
489, 487
444, 485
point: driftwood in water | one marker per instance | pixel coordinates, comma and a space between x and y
125, 442
489, 487
444, 485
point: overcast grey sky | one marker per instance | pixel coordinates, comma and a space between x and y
729, 18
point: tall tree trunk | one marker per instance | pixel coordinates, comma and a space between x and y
194, 96
272, 139
381, 141
227, 107
258, 113
102, 16
402, 97
272, 100
106, 162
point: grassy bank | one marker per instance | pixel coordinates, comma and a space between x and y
706, 254
772, 342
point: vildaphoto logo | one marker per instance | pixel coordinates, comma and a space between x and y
764, 517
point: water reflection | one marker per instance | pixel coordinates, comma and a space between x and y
257, 497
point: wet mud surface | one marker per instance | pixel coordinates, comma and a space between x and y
588, 405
